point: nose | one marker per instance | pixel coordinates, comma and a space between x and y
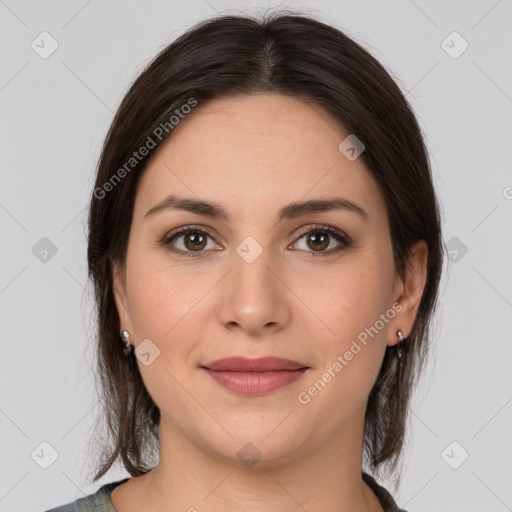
254, 298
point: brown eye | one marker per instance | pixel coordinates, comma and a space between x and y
194, 241
317, 240
187, 241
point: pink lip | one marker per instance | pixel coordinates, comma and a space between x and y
254, 376
262, 364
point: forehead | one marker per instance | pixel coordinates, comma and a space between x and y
257, 151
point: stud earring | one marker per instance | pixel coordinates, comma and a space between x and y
401, 339
127, 346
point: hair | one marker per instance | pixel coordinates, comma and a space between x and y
298, 56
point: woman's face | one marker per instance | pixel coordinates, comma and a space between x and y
264, 279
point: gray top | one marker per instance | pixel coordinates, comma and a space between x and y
100, 501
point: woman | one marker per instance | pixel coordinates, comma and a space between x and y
265, 241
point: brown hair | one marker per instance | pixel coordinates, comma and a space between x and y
290, 54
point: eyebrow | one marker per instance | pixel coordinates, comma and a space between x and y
290, 211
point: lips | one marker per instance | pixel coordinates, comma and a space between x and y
252, 377
262, 364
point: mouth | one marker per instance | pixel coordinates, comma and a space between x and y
253, 377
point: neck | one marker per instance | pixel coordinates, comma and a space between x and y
323, 478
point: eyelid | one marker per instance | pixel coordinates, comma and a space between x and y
343, 238
314, 227
165, 241
344, 241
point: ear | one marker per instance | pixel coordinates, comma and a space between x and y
120, 296
408, 292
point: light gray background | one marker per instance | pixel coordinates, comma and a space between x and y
54, 116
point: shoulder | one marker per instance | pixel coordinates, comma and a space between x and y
97, 502
385, 498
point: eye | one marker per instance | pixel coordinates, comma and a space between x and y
194, 240
318, 239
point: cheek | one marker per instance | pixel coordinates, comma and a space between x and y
166, 300
152, 293
355, 306
351, 296
351, 305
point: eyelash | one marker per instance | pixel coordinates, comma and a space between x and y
338, 235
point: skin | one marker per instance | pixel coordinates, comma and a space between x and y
254, 155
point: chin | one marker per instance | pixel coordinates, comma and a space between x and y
268, 448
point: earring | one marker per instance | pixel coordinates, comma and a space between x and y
401, 339
127, 346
